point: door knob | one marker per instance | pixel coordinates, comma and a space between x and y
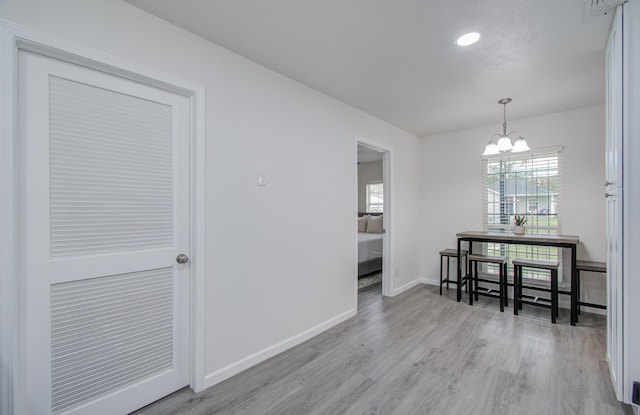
182, 259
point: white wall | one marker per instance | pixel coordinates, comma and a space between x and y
451, 171
370, 172
275, 266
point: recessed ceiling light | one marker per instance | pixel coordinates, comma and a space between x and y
468, 39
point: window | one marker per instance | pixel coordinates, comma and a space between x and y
375, 197
527, 185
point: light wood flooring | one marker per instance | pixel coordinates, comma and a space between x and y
421, 353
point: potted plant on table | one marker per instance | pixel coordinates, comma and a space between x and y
519, 222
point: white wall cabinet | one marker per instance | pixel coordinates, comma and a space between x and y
622, 192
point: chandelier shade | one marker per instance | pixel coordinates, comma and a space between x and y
491, 149
520, 145
504, 143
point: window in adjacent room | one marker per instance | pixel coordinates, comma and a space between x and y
529, 185
375, 197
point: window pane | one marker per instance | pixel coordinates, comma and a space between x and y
375, 197
528, 186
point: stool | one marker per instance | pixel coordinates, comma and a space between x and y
501, 261
519, 297
590, 266
451, 253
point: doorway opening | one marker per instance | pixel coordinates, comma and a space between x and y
373, 218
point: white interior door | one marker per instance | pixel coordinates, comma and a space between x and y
104, 212
613, 193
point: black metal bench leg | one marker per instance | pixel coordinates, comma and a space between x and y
501, 285
470, 282
520, 289
578, 288
441, 274
516, 291
506, 287
476, 287
554, 295
468, 272
448, 272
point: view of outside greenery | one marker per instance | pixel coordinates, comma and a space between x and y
528, 186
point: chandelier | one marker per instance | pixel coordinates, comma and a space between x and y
503, 143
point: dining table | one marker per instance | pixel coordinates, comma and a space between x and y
560, 241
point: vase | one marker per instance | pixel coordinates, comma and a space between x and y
518, 230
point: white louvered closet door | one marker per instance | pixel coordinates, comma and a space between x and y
104, 182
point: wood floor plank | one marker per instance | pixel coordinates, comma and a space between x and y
422, 353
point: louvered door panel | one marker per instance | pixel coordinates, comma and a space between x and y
110, 162
105, 213
108, 332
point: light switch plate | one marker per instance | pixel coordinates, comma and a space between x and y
262, 179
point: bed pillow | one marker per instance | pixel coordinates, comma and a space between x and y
362, 223
374, 224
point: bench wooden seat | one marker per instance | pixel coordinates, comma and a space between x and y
592, 266
534, 263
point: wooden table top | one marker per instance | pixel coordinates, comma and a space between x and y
513, 238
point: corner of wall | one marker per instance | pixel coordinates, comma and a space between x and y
406, 287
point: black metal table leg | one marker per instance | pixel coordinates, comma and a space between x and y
441, 274
470, 281
459, 268
574, 286
554, 295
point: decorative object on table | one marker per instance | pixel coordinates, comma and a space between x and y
503, 142
519, 222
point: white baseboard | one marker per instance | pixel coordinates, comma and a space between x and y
585, 309
228, 371
429, 281
406, 287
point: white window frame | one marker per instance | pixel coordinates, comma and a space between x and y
374, 207
520, 205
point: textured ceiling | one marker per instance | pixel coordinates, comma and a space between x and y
397, 60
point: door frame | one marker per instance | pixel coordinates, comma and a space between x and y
15, 38
387, 240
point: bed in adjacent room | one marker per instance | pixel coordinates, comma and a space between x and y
370, 231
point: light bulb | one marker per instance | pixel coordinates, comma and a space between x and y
468, 39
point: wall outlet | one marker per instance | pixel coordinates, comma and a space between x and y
635, 394
397, 271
